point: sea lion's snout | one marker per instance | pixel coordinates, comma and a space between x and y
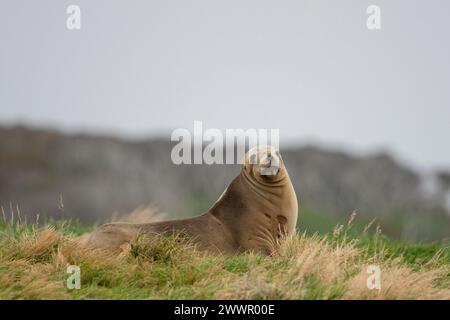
270, 165
264, 161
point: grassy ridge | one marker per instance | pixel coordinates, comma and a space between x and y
34, 260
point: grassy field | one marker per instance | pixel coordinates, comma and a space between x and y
34, 261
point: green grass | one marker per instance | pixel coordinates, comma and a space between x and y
33, 262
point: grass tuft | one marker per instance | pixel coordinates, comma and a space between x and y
34, 261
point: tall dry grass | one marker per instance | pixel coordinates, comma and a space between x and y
33, 263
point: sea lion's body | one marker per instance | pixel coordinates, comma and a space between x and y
253, 213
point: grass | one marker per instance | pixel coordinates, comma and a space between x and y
34, 261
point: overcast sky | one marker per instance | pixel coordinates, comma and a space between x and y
309, 68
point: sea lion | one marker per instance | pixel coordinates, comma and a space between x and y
254, 212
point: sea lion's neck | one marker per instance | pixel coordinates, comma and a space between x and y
250, 212
270, 193
245, 193
231, 198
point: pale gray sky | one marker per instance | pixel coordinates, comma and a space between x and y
310, 68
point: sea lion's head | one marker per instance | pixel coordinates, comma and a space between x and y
264, 164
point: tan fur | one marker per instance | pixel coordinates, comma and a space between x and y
253, 213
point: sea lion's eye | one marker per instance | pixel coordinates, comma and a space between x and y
253, 159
